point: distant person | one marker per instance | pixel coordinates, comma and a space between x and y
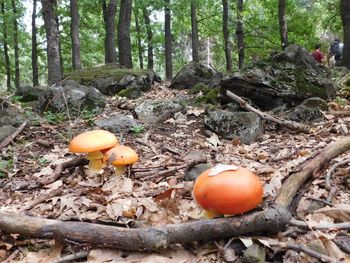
317, 54
336, 51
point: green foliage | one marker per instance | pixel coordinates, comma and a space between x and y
137, 129
54, 118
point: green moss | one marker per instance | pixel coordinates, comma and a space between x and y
199, 87
130, 93
89, 75
210, 97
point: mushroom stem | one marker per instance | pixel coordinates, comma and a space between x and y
120, 169
210, 214
95, 159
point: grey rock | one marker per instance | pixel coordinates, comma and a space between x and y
254, 254
246, 126
152, 112
11, 116
29, 93
194, 73
195, 155
302, 113
117, 123
76, 97
191, 174
6, 131
316, 102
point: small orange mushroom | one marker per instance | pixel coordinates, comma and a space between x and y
121, 157
93, 143
228, 190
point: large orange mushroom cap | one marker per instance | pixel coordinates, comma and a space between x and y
228, 192
121, 155
93, 141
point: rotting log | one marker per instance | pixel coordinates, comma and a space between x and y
309, 169
271, 220
292, 125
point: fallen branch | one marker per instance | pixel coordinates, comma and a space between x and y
309, 169
11, 137
302, 224
71, 257
289, 124
44, 198
343, 113
271, 220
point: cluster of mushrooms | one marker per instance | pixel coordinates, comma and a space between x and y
102, 148
220, 190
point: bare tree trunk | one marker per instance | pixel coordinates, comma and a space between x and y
53, 50
240, 34
75, 34
59, 36
15, 42
35, 68
226, 33
168, 41
124, 42
345, 15
138, 37
195, 55
5, 44
109, 13
150, 60
283, 23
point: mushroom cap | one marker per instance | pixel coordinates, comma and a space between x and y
228, 192
121, 155
91, 141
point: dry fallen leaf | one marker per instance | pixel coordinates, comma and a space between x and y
340, 212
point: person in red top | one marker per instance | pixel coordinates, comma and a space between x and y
317, 54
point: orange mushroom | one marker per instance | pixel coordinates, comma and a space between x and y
228, 190
121, 157
93, 143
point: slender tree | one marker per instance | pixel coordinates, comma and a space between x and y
35, 68
53, 51
283, 23
59, 35
226, 33
138, 37
195, 55
124, 42
74, 32
240, 34
345, 15
109, 13
150, 59
15, 44
168, 41
5, 45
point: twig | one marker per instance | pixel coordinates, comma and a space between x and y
147, 144
302, 224
289, 124
340, 113
308, 251
79, 161
44, 198
11, 257
11, 137
74, 256
332, 170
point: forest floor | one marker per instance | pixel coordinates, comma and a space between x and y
153, 200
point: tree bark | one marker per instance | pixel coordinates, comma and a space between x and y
53, 50
74, 11
168, 41
35, 68
15, 44
309, 169
124, 42
59, 36
345, 16
5, 43
194, 25
138, 37
226, 33
283, 23
271, 220
150, 59
240, 34
109, 13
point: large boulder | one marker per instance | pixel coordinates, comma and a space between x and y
117, 122
285, 78
11, 116
194, 73
246, 126
77, 98
29, 93
110, 79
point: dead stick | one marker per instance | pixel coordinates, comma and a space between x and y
295, 180
289, 124
302, 224
79, 161
340, 113
271, 220
11, 137
75, 256
44, 198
